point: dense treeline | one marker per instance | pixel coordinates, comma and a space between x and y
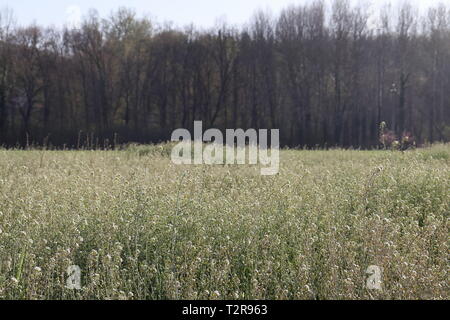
325, 74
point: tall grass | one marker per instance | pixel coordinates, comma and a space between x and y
141, 227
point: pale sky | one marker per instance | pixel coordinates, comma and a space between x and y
202, 13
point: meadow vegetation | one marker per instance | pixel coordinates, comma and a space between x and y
141, 227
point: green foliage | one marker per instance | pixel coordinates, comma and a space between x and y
163, 150
437, 152
141, 227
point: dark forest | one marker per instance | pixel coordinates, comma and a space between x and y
325, 74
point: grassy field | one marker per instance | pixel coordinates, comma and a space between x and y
140, 227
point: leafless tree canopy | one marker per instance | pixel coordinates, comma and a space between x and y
326, 75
